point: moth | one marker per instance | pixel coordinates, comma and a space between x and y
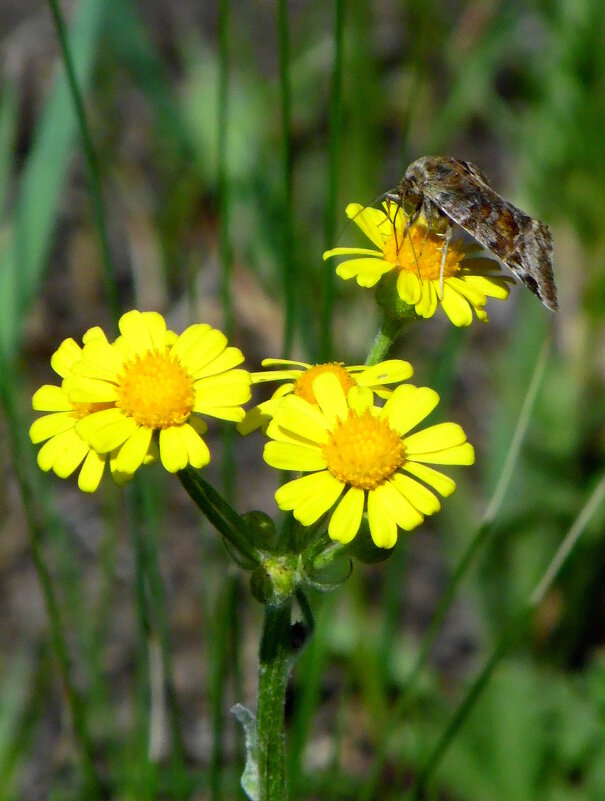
448, 191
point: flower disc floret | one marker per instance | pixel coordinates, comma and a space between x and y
138, 394
363, 450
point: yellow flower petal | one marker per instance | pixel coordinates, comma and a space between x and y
227, 360
417, 494
352, 252
173, 450
197, 450
133, 451
460, 454
50, 398
330, 397
99, 361
91, 472
143, 331
360, 399
383, 527
287, 456
409, 287
52, 452
369, 220
435, 438
106, 430
309, 497
444, 485
367, 270
429, 299
468, 290
408, 406
390, 371
65, 356
456, 307
190, 344
344, 523
401, 510
227, 389
50, 425
211, 344
90, 390
297, 416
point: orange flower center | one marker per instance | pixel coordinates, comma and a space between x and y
303, 386
155, 390
419, 250
363, 450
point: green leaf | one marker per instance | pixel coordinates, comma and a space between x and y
249, 780
222, 516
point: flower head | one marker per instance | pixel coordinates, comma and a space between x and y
416, 253
149, 387
360, 457
64, 450
298, 378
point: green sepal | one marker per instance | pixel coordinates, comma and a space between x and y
396, 311
264, 533
249, 781
240, 559
332, 575
223, 517
363, 548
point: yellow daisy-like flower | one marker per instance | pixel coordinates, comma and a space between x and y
153, 385
299, 378
469, 277
64, 450
358, 456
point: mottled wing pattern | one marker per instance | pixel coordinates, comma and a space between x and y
462, 193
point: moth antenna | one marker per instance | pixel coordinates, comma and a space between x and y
379, 197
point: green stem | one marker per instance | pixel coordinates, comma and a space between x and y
388, 332
276, 658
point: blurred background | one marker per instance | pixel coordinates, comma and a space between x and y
218, 211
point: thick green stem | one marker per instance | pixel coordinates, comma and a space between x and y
276, 658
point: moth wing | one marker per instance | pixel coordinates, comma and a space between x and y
521, 242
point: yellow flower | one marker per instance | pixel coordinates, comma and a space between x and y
469, 277
153, 385
299, 377
64, 450
359, 457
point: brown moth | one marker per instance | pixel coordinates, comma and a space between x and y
450, 191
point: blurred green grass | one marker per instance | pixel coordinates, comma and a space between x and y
516, 88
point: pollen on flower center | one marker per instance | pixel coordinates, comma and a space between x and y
420, 251
155, 390
303, 386
363, 451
